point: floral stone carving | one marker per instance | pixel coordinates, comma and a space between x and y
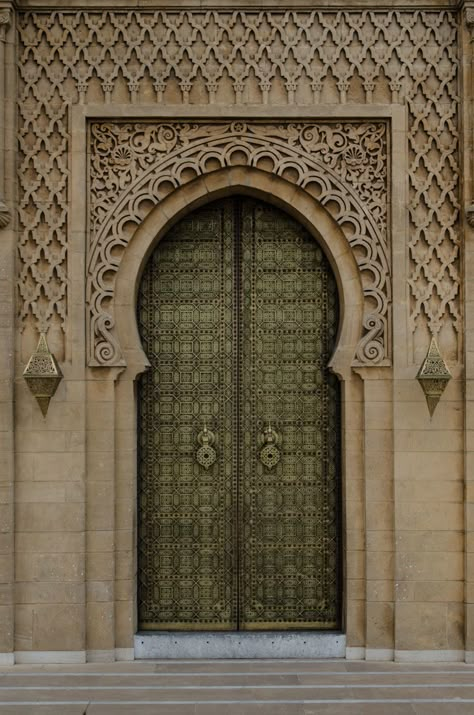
134, 165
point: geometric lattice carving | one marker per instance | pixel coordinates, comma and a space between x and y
238, 313
249, 57
134, 165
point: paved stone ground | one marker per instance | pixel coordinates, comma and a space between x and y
238, 687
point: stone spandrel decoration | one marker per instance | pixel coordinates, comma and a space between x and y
43, 374
433, 376
135, 164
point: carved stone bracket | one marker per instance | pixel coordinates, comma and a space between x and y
469, 16
469, 211
342, 164
5, 21
5, 214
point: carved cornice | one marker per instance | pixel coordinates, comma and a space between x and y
244, 5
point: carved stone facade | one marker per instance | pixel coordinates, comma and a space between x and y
242, 58
115, 123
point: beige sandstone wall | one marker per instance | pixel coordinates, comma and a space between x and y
407, 490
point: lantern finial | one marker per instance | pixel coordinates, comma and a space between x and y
43, 374
433, 376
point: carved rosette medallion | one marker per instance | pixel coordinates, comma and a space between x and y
135, 165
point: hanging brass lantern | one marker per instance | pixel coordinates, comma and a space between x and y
43, 374
433, 376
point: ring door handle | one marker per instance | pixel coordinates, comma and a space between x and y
270, 453
206, 455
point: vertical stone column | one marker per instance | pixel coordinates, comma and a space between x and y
379, 512
126, 514
100, 515
467, 93
7, 327
354, 515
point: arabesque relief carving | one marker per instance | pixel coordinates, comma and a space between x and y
134, 165
211, 57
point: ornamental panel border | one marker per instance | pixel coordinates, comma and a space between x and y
135, 164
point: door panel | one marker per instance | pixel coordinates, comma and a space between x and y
289, 513
186, 537
238, 314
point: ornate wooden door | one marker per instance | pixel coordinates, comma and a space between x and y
239, 426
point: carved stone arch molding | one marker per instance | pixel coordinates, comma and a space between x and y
341, 164
261, 185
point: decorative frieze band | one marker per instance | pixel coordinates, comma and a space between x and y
342, 164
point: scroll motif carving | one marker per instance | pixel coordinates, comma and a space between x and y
207, 57
343, 164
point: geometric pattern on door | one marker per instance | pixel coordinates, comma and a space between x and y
238, 315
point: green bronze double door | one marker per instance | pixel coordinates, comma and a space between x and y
239, 426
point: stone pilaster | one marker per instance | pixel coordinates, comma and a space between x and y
468, 199
7, 321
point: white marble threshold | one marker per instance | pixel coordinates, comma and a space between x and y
262, 644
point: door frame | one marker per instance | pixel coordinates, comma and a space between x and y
219, 208
368, 514
307, 210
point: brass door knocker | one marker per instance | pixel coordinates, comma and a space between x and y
206, 455
270, 453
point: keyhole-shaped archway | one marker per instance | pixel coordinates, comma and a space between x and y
239, 426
